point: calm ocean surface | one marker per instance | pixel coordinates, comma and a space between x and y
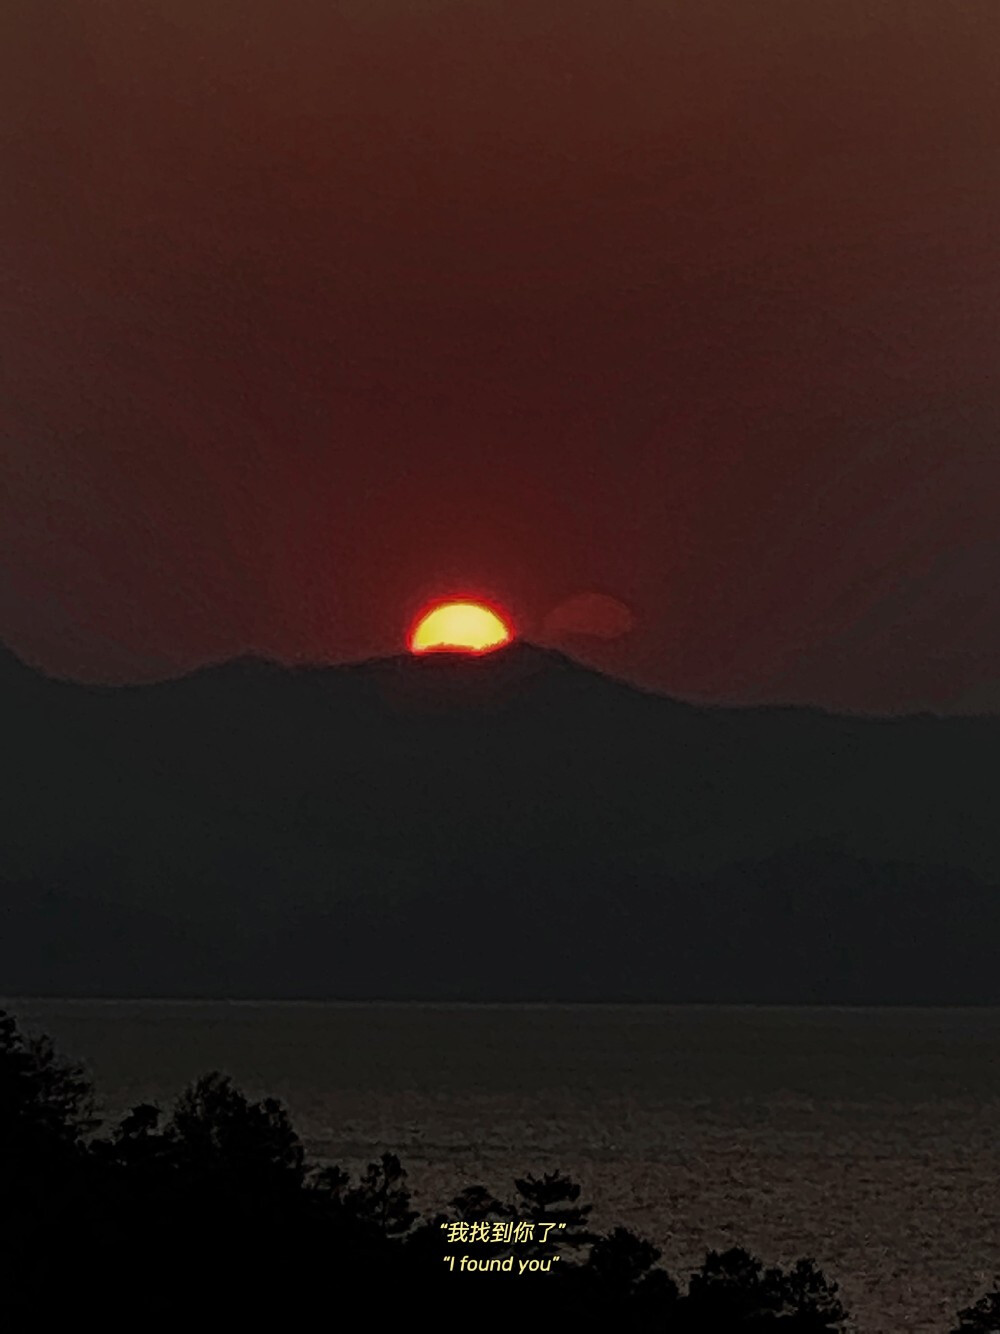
866, 1138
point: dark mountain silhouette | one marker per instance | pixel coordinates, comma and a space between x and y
507, 826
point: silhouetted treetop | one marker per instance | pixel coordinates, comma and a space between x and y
381, 1199
218, 1198
45, 1102
476, 1202
983, 1317
733, 1287
552, 1198
214, 1127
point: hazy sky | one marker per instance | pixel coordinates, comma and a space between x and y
311, 310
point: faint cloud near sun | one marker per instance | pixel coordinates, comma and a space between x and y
593, 615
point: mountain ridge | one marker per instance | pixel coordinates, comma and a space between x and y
331, 810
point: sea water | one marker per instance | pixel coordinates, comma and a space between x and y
864, 1138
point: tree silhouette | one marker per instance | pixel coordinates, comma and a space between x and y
217, 1204
476, 1202
46, 1103
215, 1129
47, 1201
552, 1198
983, 1317
381, 1201
734, 1289
623, 1284
620, 1260
136, 1155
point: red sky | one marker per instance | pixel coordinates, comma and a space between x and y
312, 310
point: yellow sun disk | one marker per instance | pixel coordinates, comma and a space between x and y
461, 626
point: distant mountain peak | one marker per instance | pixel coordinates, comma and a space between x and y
508, 824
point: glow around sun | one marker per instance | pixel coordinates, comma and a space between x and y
459, 627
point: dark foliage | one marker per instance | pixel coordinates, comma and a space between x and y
983, 1317
46, 1107
734, 1290
215, 1211
46, 1104
552, 1199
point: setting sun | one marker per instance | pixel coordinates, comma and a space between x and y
459, 627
